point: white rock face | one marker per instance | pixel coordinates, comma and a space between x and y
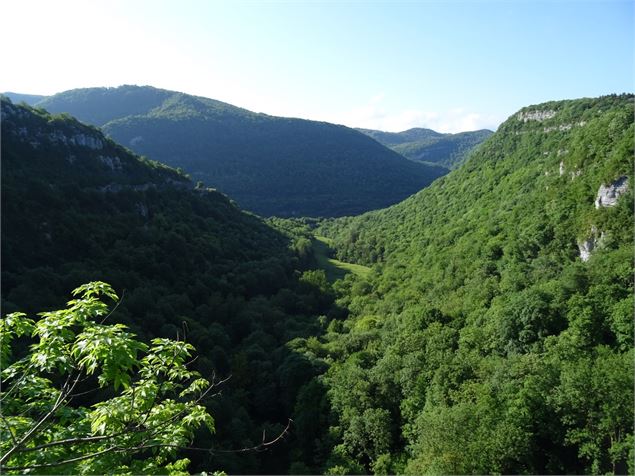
536, 115
608, 194
586, 247
561, 128
77, 139
561, 168
87, 141
593, 242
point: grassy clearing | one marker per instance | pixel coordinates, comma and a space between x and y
333, 268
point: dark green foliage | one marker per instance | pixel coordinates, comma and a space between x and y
485, 341
270, 165
430, 147
186, 261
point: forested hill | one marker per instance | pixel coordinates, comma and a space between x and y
496, 332
493, 334
270, 165
76, 207
431, 147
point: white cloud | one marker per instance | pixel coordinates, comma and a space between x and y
373, 115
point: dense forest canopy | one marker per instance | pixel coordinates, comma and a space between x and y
486, 339
487, 326
269, 165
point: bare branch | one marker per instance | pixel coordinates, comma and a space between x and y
260, 447
69, 441
123, 294
29, 434
264, 445
79, 394
60, 463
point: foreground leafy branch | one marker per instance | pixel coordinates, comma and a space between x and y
154, 402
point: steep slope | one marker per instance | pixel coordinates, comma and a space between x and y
270, 165
430, 147
495, 333
77, 207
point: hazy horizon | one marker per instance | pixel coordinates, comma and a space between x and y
450, 67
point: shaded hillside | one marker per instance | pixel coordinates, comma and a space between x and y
495, 333
270, 165
430, 147
77, 207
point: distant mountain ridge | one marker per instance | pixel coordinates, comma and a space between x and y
397, 138
431, 147
270, 165
30, 99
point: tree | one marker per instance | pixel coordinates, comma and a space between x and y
51, 420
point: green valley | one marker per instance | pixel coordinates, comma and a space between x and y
334, 269
483, 325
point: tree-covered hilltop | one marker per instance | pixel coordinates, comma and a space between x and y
270, 165
495, 333
431, 147
187, 263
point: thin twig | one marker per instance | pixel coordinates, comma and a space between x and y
6, 423
123, 294
42, 420
59, 463
69, 441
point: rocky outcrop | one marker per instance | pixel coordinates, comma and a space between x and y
536, 115
609, 194
87, 141
72, 136
77, 139
588, 245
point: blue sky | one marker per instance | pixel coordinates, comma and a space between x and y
450, 66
